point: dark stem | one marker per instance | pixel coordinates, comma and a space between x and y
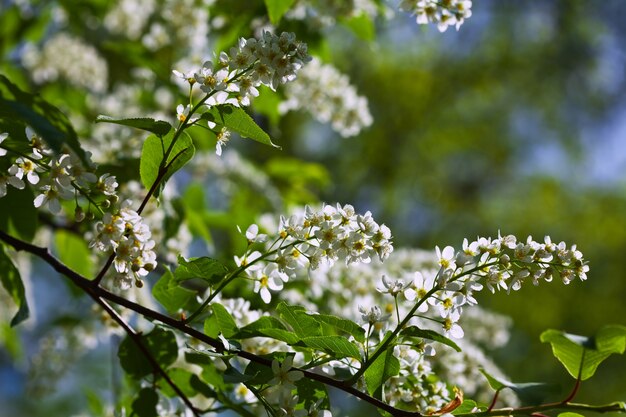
99, 293
493, 402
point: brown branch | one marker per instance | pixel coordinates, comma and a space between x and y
99, 293
92, 291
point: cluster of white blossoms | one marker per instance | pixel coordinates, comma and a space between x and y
315, 238
55, 177
327, 94
124, 233
234, 78
67, 58
444, 13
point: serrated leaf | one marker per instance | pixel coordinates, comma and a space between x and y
225, 322
48, 121
338, 346
146, 402
158, 127
152, 155
74, 252
278, 334
239, 121
204, 268
384, 367
343, 325
530, 393
254, 329
302, 324
414, 331
161, 343
277, 8
12, 283
580, 354
310, 391
171, 296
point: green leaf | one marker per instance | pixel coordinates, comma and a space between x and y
310, 391
18, 214
182, 379
48, 121
278, 334
239, 121
530, 393
302, 324
204, 268
342, 325
255, 328
581, 354
225, 322
74, 252
146, 402
152, 155
158, 127
277, 8
570, 414
338, 346
171, 296
362, 26
384, 367
161, 343
414, 331
12, 282
467, 406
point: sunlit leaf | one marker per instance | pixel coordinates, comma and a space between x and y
204, 268
414, 331
158, 127
74, 252
338, 346
580, 354
384, 367
302, 324
239, 121
170, 295
225, 322
152, 155
277, 8
531, 393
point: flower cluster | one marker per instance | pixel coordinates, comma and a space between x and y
328, 95
57, 177
318, 237
125, 233
67, 58
234, 78
443, 12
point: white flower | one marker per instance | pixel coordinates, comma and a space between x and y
182, 114
51, 195
3, 136
10, 180
446, 258
283, 375
270, 278
223, 137
25, 166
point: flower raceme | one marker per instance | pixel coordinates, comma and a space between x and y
315, 238
234, 78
